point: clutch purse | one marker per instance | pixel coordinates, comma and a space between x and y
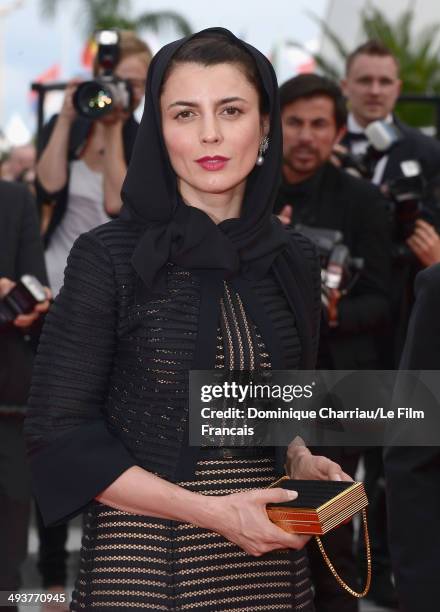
322, 505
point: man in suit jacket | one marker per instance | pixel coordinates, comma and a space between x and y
372, 87
21, 253
413, 473
316, 193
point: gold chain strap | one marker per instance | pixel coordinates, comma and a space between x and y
335, 573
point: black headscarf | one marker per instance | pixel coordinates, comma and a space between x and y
236, 249
183, 234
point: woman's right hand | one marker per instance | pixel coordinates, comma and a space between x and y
242, 519
68, 111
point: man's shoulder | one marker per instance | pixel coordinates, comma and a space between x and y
14, 197
428, 281
416, 136
10, 190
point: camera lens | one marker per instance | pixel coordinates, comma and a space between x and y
93, 99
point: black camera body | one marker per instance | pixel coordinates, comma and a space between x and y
406, 194
381, 136
339, 270
99, 97
22, 299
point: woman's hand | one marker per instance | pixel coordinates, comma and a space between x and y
68, 111
52, 165
302, 465
242, 519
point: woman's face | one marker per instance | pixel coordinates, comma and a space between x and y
212, 128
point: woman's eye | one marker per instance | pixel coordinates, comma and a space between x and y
184, 114
231, 110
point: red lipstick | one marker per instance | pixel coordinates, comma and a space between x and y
216, 162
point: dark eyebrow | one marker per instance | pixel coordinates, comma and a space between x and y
219, 103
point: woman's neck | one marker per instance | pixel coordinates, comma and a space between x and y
218, 206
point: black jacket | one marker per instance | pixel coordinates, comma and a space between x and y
414, 145
21, 253
110, 386
78, 137
426, 150
413, 473
341, 202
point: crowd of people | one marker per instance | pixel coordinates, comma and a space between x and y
183, 237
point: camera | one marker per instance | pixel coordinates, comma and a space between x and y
406, 194
22, 299
381, 137
339, 270
97, 98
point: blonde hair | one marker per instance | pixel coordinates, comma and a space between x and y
129, 44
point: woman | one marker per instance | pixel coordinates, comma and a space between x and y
83, 163
196, 274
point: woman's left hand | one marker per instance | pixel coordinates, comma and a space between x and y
302, 465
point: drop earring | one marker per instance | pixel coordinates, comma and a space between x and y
264, 145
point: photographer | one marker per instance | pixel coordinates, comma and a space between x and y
21, 253
83, 161
372, 87
317, 194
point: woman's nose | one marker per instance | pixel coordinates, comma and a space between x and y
210, 130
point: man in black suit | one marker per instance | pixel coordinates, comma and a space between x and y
21, 253
316, 193
413, 473
372, 87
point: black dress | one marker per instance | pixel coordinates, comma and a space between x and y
111, 390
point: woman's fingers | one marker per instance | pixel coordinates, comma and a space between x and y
273, 537
274, 495
316, 467
244, 521
283, 539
